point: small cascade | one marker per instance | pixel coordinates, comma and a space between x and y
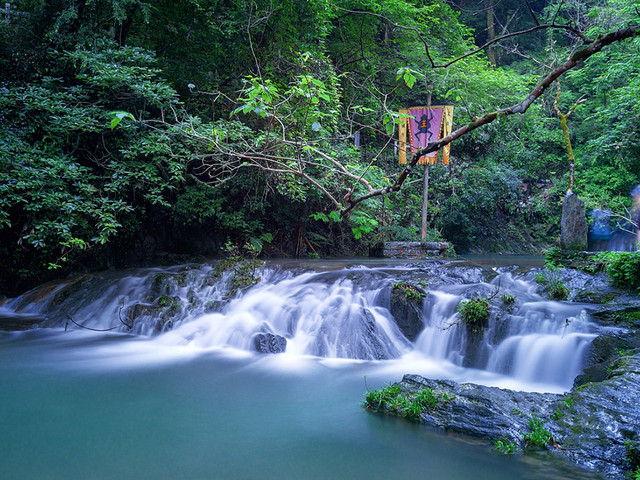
336, 319
532, 341
342, 313
442, 338
542, 340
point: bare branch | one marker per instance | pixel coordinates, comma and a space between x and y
533, 15
516, 34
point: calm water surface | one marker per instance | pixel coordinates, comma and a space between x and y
75, 405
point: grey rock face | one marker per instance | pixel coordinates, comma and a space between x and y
596, 425
407, 313
573, 226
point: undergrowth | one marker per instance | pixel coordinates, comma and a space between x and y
538, 436
474, 312
409, 405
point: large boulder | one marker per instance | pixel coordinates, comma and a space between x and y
406, 309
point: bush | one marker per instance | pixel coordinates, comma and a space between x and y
622, 267
474, 312
553, 285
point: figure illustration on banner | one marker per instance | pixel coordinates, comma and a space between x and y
425, 125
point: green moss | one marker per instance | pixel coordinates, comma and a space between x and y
170, 305
627, 318
158, 282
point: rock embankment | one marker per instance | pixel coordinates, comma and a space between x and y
596, 425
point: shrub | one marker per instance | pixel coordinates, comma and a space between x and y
554, 286
474, 312
505, 446
622, 267
411, 292
508, 299
409, 406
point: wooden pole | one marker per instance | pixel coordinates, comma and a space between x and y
425, 183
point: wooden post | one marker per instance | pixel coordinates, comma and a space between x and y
425, 184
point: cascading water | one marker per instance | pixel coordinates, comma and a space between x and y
334, 314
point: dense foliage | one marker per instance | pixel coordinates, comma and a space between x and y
134, 128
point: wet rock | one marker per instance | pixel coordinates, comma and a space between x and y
269, 343
601, 355
486, 412
625, 315
596, 425
406, 311
596, 430
10, 322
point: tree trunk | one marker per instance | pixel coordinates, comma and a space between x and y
491, 30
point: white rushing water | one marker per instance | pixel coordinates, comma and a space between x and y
341, 315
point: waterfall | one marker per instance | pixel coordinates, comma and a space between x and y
341, 313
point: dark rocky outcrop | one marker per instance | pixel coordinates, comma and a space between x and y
269, 343
596, 425
406, 311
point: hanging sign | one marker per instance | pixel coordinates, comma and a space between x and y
424, 125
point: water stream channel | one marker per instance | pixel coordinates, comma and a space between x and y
172, 386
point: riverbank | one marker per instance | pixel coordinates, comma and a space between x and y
595, 424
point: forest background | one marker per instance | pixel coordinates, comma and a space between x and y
135, 132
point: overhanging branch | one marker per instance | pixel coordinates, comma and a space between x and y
574, 60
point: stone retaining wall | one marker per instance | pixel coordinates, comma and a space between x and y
410, 249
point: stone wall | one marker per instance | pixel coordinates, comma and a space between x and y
410, 249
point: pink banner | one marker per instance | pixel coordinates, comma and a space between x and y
424, 127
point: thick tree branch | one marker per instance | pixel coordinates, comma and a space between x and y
575, 59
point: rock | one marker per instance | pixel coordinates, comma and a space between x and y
595, 425
407, 312
269, 343
602, 352
595, 431
10, 321
573, 226
486, 412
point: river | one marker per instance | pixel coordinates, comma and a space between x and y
190, 403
